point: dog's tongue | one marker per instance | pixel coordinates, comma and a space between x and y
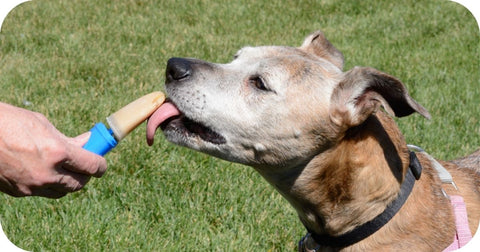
164, 112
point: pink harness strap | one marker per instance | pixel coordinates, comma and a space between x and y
463, 235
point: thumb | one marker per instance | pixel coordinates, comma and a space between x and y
80, 140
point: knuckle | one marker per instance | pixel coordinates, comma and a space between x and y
77, 186
55, 151
73, 183
96, 167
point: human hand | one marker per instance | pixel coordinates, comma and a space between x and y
38, 160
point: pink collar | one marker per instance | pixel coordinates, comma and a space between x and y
463, 235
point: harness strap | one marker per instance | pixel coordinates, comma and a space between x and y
463, 235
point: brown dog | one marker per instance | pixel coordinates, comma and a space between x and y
318, 135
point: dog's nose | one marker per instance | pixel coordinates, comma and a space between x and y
178, 69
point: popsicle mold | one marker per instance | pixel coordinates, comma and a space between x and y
122, 122
101, 140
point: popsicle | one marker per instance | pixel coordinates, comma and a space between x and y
122, 122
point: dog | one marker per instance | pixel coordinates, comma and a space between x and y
325, 139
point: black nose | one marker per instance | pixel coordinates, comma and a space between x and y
178, 69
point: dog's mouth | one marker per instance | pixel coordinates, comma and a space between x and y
169, 118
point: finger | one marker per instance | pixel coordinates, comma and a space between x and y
85, 162
80, 140
67, 181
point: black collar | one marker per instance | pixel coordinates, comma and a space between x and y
375, 224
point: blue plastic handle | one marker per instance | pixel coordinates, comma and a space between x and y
101, 140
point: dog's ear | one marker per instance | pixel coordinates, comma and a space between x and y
316, 43
363, 90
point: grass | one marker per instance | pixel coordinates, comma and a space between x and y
78, 61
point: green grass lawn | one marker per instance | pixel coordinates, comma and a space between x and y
78, 61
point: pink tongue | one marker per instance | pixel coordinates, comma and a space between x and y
165, 111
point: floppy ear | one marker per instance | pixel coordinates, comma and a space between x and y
316, 43
363, 90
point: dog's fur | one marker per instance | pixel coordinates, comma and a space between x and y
318, 135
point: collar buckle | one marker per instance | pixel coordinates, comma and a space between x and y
443, 174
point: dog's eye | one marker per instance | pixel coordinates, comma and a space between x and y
258, 83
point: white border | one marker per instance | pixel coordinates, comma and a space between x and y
7, 5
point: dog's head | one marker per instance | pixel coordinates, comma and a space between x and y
273, 106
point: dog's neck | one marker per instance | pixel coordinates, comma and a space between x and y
350, 183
